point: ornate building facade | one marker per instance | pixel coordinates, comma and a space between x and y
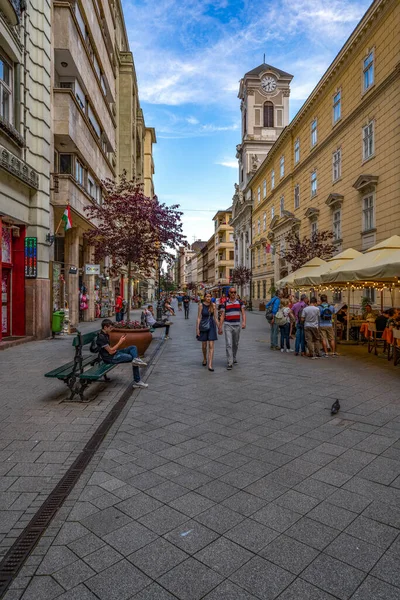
264, 94
335, 167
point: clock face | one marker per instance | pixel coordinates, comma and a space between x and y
268, 84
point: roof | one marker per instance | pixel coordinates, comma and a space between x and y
265, 67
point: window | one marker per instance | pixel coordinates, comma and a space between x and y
296, 151
264, 289
268, 114
337, 227
258, 257
6, 111
314, 133
231, 237
314, 228
253, 231
258, 289
337, 107
258, 194
272, 212
103, 84
282, 205
244, 122
337, 165
66, 164
93, 121
265, 222
91, 186
296, 196
313, 183
368, 71
282, 166
258, 226
80, 20
80, 96
272, 179
79, 172
369, 292
368, 140
231, 255
264, 188
368, 213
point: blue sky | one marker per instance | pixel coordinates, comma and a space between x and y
190, 56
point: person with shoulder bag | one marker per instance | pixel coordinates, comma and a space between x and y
206, 328
270, 311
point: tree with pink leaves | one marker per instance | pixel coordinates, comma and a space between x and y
299, 251
132, 229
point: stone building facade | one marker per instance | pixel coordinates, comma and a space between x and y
335, 167
25, 157
224, 253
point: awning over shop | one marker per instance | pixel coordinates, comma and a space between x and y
381, 263
289, 280
313, 276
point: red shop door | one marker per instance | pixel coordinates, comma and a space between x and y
5, 301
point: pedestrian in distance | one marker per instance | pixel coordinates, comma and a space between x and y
270, 311
186, 305
310, 316
180, 302
297, 309
233, 316
206, 329
326, 326
114, 356
285, 319
152, 322
119, 307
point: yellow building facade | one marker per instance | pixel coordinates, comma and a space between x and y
336, 166
224, 247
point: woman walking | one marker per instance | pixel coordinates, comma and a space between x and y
206, 329
286, 325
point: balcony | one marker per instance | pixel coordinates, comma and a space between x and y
18, 168
73, 133
12, 10
69, 191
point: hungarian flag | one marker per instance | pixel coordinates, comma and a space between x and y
268, 248
66, 219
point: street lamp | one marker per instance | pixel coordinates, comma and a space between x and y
159, 306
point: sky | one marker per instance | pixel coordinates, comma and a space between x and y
190, 56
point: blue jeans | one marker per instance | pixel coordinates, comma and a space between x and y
285, 335
300, 339
126, 355
119, 316
274, 335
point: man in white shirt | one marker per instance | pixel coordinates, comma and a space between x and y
152, 322
311, 316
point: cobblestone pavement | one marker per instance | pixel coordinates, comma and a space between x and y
232, 485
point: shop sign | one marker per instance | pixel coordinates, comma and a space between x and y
30, 257
92, 269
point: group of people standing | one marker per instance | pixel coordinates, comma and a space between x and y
311, 321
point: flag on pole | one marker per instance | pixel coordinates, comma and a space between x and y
66, 219
267, 248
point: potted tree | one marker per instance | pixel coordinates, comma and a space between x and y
136, 335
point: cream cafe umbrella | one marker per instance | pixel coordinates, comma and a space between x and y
291, 279
313, 276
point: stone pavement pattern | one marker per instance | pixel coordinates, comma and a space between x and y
236, 485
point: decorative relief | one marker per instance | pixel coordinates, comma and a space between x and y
18, 168
286, 93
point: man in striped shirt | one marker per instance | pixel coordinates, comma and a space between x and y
234, 317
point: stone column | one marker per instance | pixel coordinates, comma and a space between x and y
88, 281
71, 257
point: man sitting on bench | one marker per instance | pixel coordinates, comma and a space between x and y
152, 322
112, 354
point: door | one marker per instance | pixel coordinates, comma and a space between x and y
5, 301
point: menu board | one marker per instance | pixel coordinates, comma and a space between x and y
30, 257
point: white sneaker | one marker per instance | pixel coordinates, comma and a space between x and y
289, 350
138, 362
140, 384
282, 350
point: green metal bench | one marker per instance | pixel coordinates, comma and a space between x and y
74, 375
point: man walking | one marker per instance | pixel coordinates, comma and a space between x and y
112, 354
326, 327
310, 318
186, 305
274, 305
232, 311
297, 310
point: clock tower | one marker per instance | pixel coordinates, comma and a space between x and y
264, 94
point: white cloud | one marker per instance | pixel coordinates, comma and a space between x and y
231, 163
192, 121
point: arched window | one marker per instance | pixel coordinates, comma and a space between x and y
268, 114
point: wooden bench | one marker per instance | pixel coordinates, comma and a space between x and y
75, 374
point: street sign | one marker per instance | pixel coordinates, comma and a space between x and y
92, 269
30, 257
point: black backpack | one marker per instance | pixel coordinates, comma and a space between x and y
94, 349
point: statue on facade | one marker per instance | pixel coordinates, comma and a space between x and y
254, 162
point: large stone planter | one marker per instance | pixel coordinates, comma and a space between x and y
140, 338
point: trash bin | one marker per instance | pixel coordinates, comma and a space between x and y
57, 321
261, 306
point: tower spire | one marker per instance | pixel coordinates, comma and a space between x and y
264, 59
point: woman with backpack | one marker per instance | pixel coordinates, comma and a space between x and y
285, 319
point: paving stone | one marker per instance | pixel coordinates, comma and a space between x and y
157, 558
216, 490
191, 504
145, 480
332, 515
384, 513
191, 580
138, 505
70, 532
331, 476
388, 566
262, 578
192, 479
289, 554
276, 517
73, 574
224, 556
354, 552
375, 589
314, 534
219, 518
316, 489
42, 588
79, 592
239, 478
251, 535
266, 489
102, 558
167, 491
301, 590
229, 591
106, 521
300, 503
154, 592
244, 503
191, 536
119, 582
163, 519
349, 500
373, 532
333, 576
56, 558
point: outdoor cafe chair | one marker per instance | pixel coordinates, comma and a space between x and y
396, 346
374, 342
